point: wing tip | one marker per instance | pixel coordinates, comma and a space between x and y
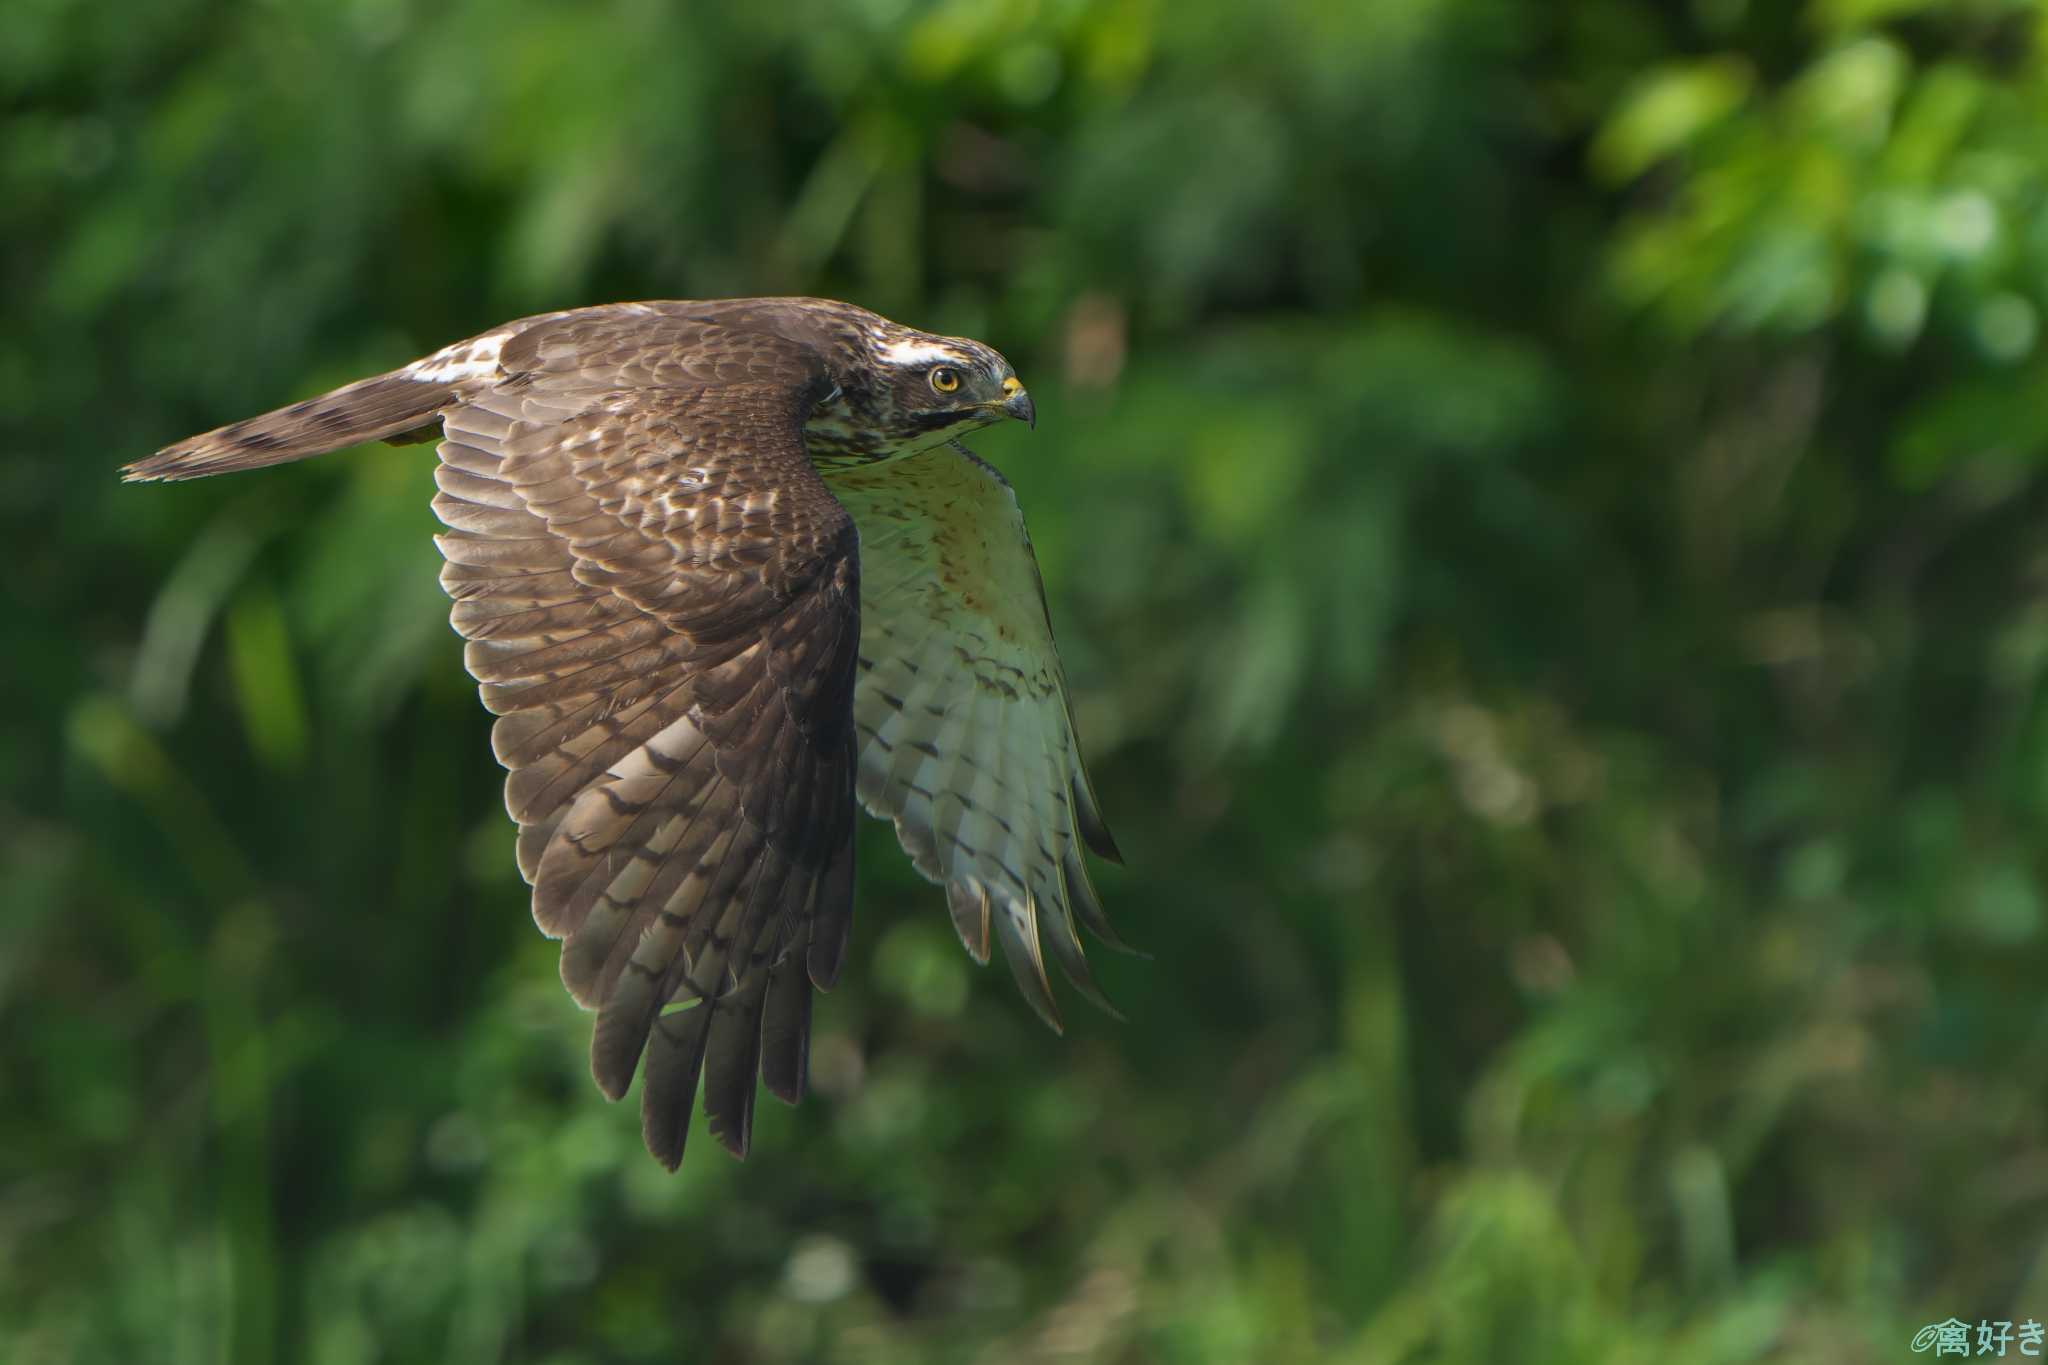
1083, 981
668, 1089
736, 1142
1086, 905
967, 901
786, 1033
1088, 819
616, 1041
1026, 955
609, 1082
671, 1158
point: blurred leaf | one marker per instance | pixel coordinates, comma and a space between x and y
1666, 112
266, 681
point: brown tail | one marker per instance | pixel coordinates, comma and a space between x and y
368, 410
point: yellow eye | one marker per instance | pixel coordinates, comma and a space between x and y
945, 378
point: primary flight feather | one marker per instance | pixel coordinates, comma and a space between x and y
724, 568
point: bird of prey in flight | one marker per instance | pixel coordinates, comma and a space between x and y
724, 567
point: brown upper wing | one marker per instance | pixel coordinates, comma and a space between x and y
662, 604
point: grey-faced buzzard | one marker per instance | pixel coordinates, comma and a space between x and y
722, 567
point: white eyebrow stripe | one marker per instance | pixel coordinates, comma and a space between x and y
920, 353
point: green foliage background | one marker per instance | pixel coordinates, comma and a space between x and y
1544, 507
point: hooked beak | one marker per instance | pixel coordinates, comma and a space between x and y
1018, 403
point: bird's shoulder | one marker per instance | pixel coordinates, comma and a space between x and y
791, 341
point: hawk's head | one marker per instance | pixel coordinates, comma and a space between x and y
901, 391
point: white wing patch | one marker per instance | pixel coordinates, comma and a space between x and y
966, 739
476, 358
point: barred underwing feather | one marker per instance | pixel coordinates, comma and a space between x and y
966, 740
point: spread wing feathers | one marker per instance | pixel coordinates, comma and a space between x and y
966, 740
661, 601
